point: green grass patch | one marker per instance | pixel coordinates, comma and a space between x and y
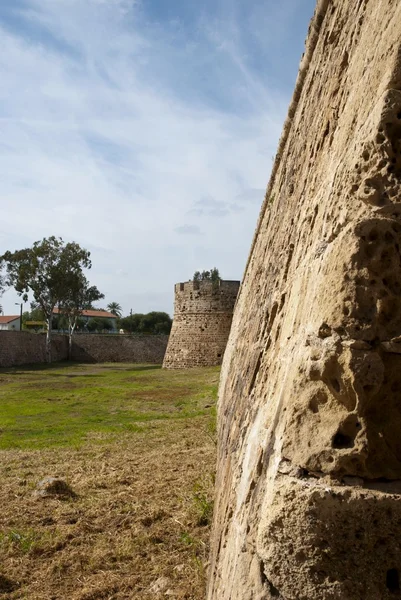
65, 404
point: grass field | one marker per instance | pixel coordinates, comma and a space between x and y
136, 445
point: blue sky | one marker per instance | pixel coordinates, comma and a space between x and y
144, 130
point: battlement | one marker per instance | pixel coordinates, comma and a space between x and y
190, 286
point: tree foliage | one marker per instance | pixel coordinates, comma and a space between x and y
213, 275
79, 296
2, 276
151, 323
49, 269
115, 309
99, 324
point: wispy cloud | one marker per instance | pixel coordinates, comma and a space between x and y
188, 230
210, 207
121, 125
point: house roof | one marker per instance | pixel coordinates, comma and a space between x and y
9, 318
102, 314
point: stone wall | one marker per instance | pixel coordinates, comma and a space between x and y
120, 348
21, 348
308, 500
202, 320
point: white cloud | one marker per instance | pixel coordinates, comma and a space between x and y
110, 136
188, 230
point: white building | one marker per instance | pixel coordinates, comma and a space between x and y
10, 323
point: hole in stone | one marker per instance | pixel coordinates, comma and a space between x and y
380, 138
395, 386
373, 235
399, 115
368, 388
336, 385
340, 440
318, 400
393, 581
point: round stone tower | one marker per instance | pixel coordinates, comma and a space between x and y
203, 312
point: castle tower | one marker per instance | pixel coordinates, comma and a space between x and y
203, 313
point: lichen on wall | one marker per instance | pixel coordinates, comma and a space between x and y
308, 500
203, 313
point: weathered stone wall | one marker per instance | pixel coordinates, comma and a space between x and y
309, 461
203, 314
21, 348
120, 348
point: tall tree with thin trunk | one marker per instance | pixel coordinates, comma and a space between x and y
48, 270
79, 297
2, 276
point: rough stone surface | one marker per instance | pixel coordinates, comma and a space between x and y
23, 348
203, 313
309, 462
53, 486
120, 348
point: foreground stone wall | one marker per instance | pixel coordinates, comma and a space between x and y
21, 348
203, 313
309, 460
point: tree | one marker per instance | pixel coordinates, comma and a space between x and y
213, 275
151, 323
115, 309
49, 270
99, 324
79, 296
2, 276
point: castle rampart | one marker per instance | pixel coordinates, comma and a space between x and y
308, 498
203, 313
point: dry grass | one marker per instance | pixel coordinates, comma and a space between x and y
142, 512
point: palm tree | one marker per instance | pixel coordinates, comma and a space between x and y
1, 309
115, 309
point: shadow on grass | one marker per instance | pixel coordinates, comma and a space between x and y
19, 370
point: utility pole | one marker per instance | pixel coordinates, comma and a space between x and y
130, 323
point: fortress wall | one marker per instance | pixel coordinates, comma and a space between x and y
120, 348
202, 320
23, 348
309, 453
